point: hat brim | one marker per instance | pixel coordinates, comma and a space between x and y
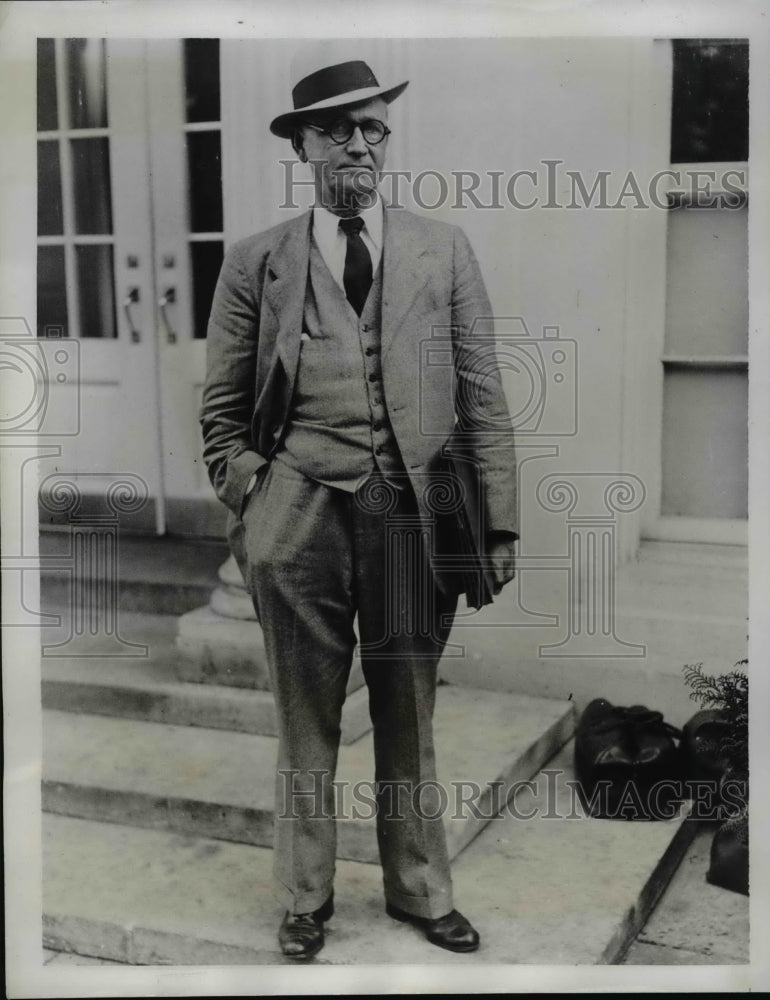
284, 125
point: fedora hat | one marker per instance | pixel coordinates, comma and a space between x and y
330, 83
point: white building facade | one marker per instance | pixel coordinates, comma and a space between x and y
603, 184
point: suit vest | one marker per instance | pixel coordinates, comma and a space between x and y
338, 429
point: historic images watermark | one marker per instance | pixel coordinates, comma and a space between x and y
551, 185
553, 795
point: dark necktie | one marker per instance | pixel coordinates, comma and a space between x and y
357, 277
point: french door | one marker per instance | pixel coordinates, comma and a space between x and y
129, 247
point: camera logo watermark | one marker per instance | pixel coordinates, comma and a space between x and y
539, 375
40, 393
446, 536
39, 382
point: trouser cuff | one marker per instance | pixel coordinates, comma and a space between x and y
304, 902
429, 907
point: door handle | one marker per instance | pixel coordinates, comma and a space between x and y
132, 296
168, 298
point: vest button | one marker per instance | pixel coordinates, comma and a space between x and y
377, 425
365, 327
379, 450
370, 350
374, 377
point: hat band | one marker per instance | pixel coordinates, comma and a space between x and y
331, 82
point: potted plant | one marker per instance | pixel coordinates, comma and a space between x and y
717, 739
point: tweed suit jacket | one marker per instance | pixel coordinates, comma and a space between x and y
440, 380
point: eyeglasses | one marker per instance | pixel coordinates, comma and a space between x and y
341, 131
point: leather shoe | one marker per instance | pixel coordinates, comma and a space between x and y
301, 935
451, 931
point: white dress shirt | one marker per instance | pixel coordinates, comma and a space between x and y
333, 243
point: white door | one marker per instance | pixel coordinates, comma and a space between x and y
184, 121
94, 260
130, 244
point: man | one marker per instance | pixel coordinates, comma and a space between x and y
314, 416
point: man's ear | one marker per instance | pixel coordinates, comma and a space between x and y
298, 146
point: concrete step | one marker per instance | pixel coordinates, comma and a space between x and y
130, 637
548, 891
676, 604
150, 691
142, 645
216, 650
501, 656
159, 575
696, 923
199, 647
216, 783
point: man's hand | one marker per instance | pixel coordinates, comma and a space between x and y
501, 551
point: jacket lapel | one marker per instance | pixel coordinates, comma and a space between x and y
285, 282
403, 272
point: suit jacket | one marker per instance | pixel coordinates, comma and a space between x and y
440, 378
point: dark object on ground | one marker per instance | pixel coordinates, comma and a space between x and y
702, 738
728, 696
729, 867
627, 762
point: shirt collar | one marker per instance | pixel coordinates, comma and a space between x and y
326, 223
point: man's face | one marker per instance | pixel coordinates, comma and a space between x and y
346, 174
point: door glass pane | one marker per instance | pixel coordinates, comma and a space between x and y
91, 186
49, 206
705, 444
86, 82
96, 291
51, 293
707, 301
201, 78
47, 115
205, 173
710, 110
206, 264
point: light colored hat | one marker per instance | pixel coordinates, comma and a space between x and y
323, 82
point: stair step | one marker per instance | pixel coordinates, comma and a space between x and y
159, 575
216, 783
231, 651
199, 647
133, 636
550, 891
149, 691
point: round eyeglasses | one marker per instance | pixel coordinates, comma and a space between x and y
341, 131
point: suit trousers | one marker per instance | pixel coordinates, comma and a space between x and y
317, 557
